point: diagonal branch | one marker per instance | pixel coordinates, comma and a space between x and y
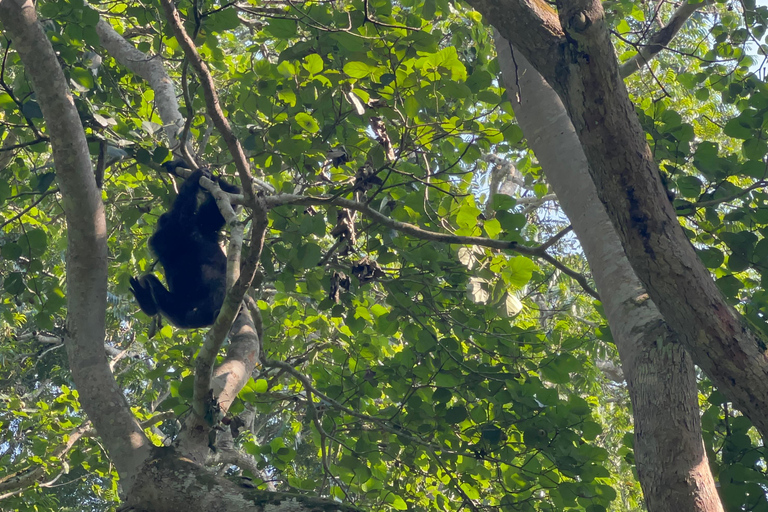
150, 69
211, 97
423, 234
13, 484
660, 39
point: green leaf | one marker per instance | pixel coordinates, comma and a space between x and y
411, 106
467, 215
689, 186
455, 90
519, 271
313, 63
13, 283
729, 285
702, 94
489, 97
753, 169
223, 20
6, 101
442, 395
754, 149
307, 123
502, 202
90, 17
34, 243
737, 129
32, 110
186, 387
711, 257
310, 254
357, 69
559, 369
281, 28
82, 76
260, 386
396, 501
43, 182
455, 414
492, 228
11, 251
590, 430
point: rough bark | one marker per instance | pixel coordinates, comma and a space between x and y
171, 483
671, 462
581, 67
100, 396
227, 381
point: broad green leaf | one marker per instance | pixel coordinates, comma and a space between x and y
83, 77
492, 228
519, 271
313, 63
306, 122
689, 186
260, 386
357, 69
281, 28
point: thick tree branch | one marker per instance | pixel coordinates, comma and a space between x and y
211, 98
243, 354
660, 39
544, 36
150, 69
403, 227
423, 234
102, 399
661, 383
586, 77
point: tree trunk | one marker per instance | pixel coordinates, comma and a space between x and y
671, 462
101, 398
154, 479
171, 483
580, 64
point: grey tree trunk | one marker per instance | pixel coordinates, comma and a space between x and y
671, 462
572, 50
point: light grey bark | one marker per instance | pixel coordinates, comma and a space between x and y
671, 462
101, 398
151, 69
572, 50
227, 379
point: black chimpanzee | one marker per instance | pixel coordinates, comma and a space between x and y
186, 243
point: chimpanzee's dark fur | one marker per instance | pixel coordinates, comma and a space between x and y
186, 244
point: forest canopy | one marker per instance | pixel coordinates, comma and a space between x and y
421, 271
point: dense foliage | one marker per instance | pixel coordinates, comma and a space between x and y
445, 376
